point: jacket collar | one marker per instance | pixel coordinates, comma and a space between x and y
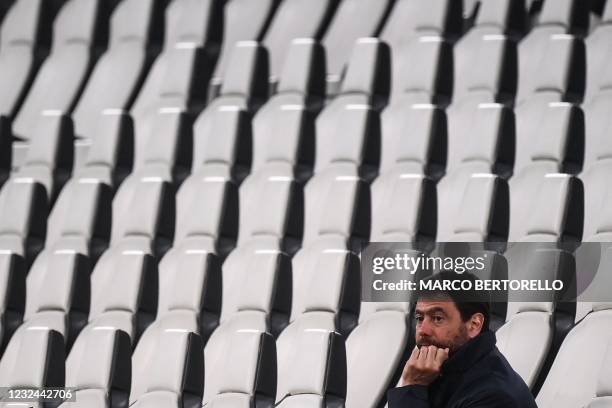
470, 353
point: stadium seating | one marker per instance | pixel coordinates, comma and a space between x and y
592, 323
98, 368
114, 82
186, 187
242, 21
25, 34
34, 358
249, 375
293, 20
79, 28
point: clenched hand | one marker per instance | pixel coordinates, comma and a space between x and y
423, 366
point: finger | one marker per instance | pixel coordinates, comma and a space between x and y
441, 356
423, 354
412, 359
414, 355
431, 355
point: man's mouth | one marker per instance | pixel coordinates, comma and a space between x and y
419, 345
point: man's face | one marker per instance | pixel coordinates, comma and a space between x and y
439, 323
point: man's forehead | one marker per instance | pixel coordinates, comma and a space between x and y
425, 306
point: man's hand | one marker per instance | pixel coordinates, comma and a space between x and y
423, 366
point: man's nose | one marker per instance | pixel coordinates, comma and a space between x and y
425, 328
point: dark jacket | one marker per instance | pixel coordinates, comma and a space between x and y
476, 376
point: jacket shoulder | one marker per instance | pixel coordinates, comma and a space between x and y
493, 379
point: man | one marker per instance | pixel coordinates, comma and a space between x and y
455, 363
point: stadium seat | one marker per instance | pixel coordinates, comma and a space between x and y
243, 21
406, 23
177, 80
555, 135
552, 42
207, 214
58, 293
481, 133
81, 218
294, 19
243, 91
354, 19
603, 400
271, 208
149, 228
349, 218
338, 302
597, 146
483, 213
329, 307
23, 224
418, 82
261, 310
598, 53
49, 157
316, 372
403, 208
78, 29
383, 333
111, 155
531, 316
558, 200
356, 111
248, 266
99, 367
190, 287
560, 151
166, 151
425, 150
489, 150
284, 128
25, 34
123, 292
593, 323
596, 189
34, 358
134, 27
168, 370
485, 70
249, 375
408, 19
506, 17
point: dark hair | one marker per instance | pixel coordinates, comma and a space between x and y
468, 301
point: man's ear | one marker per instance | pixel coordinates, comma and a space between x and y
475, 325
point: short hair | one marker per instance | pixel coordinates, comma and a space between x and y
468, 302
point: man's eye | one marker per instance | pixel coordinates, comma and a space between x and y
418, 318
438, 319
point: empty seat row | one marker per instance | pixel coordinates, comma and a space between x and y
151, 123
